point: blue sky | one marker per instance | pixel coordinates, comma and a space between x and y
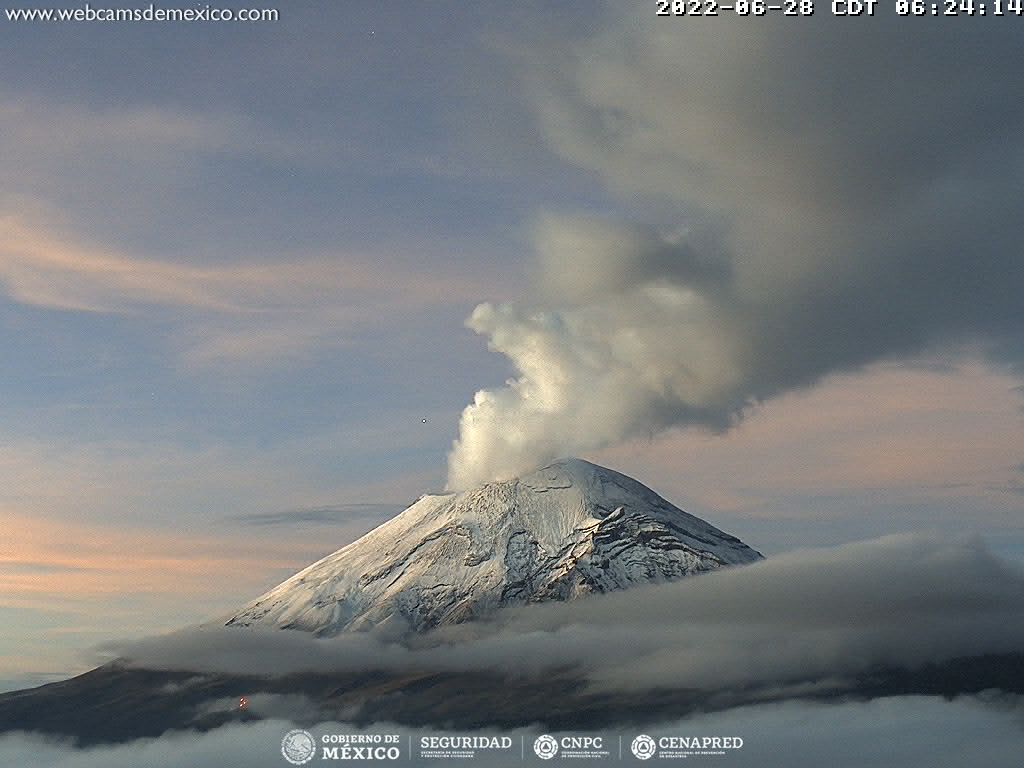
344, 151
236, 261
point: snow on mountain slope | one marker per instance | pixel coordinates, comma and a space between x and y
566, 530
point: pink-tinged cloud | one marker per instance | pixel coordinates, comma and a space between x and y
50, 270
936, 433
260, 310
44, 562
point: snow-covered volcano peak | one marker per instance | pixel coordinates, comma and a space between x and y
566, 530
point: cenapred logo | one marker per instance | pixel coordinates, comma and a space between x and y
643, 747
546, 747
298, 746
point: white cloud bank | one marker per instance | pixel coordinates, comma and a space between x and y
783, 625
807, 616
894, 733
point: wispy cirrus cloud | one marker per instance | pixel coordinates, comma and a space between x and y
366, 511
254, 310
44, 134
121, 210
46, 269
37, 125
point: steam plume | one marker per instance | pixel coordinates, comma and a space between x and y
810, 205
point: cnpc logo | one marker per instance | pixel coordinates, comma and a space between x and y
547, 746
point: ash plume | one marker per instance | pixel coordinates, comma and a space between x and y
807, 202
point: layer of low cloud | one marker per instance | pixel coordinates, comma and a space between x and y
893, 733
788, 626
807, 616
809, 204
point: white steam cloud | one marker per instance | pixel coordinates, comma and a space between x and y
807, 207
899, 601
640, 348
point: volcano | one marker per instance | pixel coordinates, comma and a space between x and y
564, 531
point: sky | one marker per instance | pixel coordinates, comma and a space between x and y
769, 269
